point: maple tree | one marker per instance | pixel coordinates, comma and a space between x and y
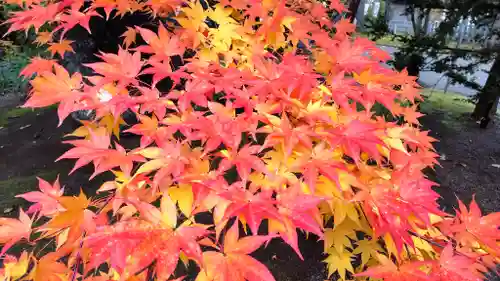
268, 128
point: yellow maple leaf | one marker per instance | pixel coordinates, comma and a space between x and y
223, 36
367, 249
338, 239
184, 197
194, 17
168, 211
340, 262
15, 268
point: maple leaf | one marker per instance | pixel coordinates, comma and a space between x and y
38, 65
340, 262
244, 159
215, 130
152, 101
123, 67
73, 18
36, 16
96, 150
339, 238
56, 87
164, 5
320, 160
367, 249
147, 128
194, 17
470, 226
43, 38
338, 6
455, 267
297, 210
73, 215
390, 210
16, 268
143, 243
342, 28
411, 114
253, 208
234, 263
162, 46
167, 160
356, 137
46, 201
14, 230
129, 37
48, 268
196, 91
161, 70
183, 196
387, 270
280, 131
61, 47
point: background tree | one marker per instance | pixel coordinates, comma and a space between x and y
444, 56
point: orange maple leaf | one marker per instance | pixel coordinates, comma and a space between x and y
74, 215
43, 38
61, 47
47, 268
129, 37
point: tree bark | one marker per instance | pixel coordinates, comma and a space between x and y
488, 97
353, 9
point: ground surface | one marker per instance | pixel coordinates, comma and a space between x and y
30, 141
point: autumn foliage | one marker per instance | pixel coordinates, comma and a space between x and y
268, 129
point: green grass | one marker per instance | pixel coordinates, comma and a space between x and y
389, 41
5, 115
450, 108
18, 185
452, 104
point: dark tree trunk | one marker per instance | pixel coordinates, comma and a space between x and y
353, 8
488, 97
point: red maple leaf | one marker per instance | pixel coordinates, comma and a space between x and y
123, 67
470, 226
234, 263
355, 138
38, 65
387, 270
97, 150
343, 27
73, 18
244, 159
35, 16
162, 46
161, 70
298, 210
452, 267
135, 244
252, 207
